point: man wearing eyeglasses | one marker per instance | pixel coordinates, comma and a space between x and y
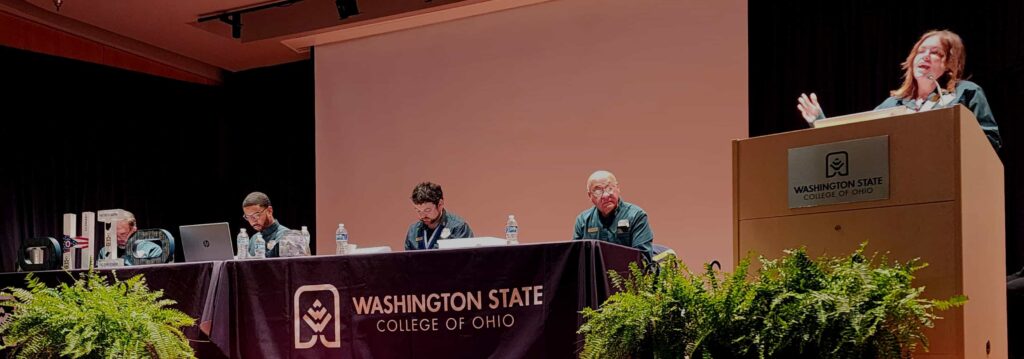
612, 219
256, 210
435, 222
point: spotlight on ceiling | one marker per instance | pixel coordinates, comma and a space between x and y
346, 8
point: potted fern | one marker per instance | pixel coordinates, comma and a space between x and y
92, 318
795, 307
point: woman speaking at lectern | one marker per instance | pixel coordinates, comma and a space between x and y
932, 79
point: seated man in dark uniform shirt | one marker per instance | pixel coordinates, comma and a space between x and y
256, 210
143, 249
612, 219
435, 222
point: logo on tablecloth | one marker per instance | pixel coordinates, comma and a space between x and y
316, 310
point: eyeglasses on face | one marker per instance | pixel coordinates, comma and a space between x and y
254, 216
600, 192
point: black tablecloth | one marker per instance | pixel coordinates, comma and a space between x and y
186, 283
500, 302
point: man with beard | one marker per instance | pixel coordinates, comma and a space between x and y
435, 222
256, 210
612, 219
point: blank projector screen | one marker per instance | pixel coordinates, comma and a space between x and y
511, 111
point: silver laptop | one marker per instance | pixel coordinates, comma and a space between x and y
206, 242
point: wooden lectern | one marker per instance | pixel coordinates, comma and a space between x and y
945, 205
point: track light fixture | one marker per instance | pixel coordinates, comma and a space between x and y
234, 17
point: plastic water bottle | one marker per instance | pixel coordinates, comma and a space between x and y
242, 242
305, 235
305, 241
261, 246
341, 239
512, 230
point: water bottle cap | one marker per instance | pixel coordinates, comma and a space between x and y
511, 216
340, 225
304, 228
242, 231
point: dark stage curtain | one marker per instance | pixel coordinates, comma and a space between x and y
849, 52
86, 137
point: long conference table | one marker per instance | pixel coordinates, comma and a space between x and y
500, 302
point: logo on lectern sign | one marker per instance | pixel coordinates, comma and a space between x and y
839, 172
317, 311
837, 164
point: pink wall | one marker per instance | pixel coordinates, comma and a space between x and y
511, 111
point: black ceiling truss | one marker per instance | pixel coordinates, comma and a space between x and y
234, 17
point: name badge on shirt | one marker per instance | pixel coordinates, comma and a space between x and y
593, 229
623, 226
419, 239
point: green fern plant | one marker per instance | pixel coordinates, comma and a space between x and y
93, 319
845, 307
842, 307
645, 318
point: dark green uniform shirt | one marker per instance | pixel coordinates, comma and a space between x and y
271, 236
451, 226
628, 227
968, 94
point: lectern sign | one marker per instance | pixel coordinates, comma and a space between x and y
839, 172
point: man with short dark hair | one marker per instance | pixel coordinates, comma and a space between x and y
612, 219
257, 211
435, 222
